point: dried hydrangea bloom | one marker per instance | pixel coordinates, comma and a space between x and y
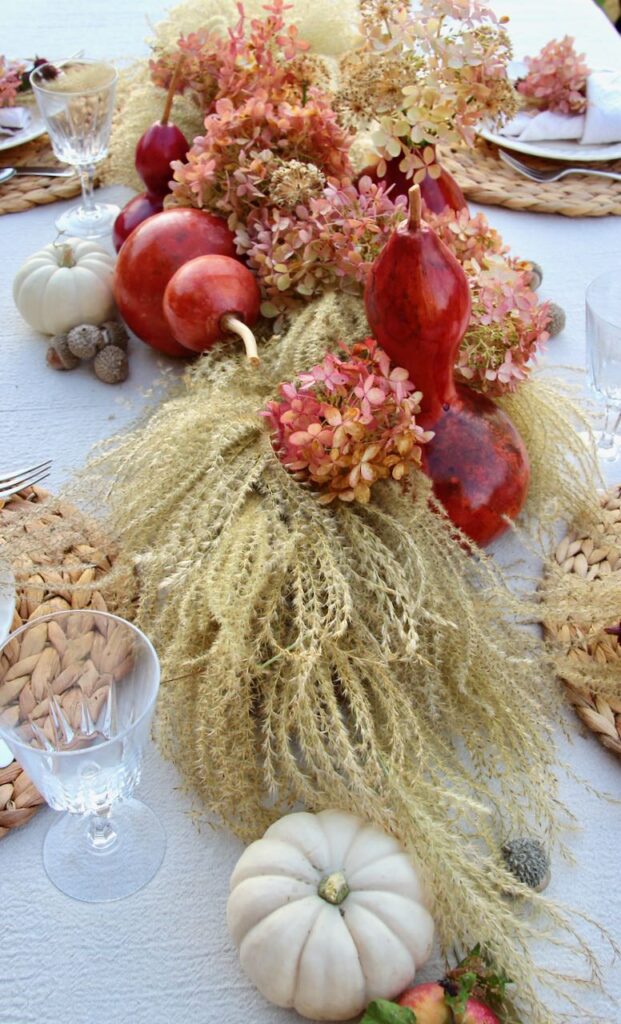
556, 78
10, 81
347, 423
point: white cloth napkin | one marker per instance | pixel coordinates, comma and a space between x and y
600, 124
13, 119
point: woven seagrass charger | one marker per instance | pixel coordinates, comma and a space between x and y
483, 178
45, 586
22, 193
592, 556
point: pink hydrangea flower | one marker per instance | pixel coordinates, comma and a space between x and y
347, 423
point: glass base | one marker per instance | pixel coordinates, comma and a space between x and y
93, 223
121, 860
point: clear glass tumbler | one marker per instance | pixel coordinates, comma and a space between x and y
76, 100
603, 346
77, 695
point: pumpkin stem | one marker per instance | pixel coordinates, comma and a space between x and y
232, 325
65, 256
170, 95
334, 888
414, 208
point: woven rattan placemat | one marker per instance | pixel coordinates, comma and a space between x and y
485, 179
44, 588
591, 556
21, 192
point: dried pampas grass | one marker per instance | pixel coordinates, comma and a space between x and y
354, 656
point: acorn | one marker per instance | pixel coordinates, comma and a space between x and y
59, 355
111, 365
527, 859
84, 340
557, 320
113, 332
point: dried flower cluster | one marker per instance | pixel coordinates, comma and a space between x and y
428, 75
556, 78
10, 81
508, 324
326, 242
348, 422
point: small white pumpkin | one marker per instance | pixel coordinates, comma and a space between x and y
65, 284
328, 913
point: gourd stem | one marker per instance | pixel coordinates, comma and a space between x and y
414, 208
334, 888
65, 255
232, 325
171, 90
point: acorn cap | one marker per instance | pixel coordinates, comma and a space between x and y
557, 320
83, 340
527, 859
111, 365
113, 332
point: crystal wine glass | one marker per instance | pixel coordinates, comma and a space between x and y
603, 337
76, 100
77, 694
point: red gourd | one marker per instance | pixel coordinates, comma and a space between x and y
133, 213
149, 258
438, 194
160, 145
418, 307
209, 298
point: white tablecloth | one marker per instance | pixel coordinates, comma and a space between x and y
164, 955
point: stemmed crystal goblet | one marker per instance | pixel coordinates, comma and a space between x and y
603, 345
77, 695
76, 100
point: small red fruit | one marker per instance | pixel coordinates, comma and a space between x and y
160, 145
133, 213
149, 258
210, 297
430, 1007
438, 194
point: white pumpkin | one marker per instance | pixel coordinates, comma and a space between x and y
328, 913
65, 284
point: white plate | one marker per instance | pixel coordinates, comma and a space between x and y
33, 131
7, 600
562, 150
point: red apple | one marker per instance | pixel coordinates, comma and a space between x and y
149, 258
133, 213
210, 297
429, 1004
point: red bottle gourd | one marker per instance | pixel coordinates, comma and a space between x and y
438, 194
162, 143
211, 298
418, 307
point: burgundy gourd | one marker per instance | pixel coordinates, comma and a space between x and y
133, 213
210, 298
160, 145
418, 306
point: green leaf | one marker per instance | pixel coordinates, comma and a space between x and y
464, 986
381, 1011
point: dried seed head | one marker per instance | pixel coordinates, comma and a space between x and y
83, 340
527, 859
59, 355
111, 365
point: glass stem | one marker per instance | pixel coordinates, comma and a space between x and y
612, 417
87, 181
101, 832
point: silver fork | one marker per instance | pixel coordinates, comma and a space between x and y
536, 174
12, 482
